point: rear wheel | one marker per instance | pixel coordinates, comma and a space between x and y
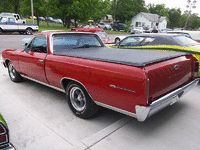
79, 101
29, 31
14, 75
0, 31
117, 40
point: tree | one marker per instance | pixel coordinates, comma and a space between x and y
175, 17
159, 9
11, 6
126, 9
38, 7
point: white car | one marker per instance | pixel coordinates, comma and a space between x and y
137, 30
105, 26
195, 35
119, 38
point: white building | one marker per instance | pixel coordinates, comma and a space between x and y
149, 20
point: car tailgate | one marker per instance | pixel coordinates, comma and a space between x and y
169, 75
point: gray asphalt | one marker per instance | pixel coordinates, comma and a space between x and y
39, 119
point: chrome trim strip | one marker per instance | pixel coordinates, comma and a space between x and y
144, 112
121, 88
61, 90
147, 91
117, 109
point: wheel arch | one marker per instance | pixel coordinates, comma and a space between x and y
6, 62
65, 82
29, 28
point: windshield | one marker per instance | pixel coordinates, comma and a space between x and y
74, 41
101, 34
185, 41
1, 19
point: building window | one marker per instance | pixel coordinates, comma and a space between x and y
138, 24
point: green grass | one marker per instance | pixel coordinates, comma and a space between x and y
53, 26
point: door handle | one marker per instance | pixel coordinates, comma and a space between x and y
41, 61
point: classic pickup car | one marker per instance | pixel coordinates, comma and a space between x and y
9, 24
134, 82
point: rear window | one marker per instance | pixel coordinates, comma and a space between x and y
184, 41
74, 41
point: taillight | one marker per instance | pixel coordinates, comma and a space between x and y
196, 69
3, 135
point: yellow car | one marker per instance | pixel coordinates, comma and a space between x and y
160, 42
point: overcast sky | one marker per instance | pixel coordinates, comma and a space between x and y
176, 4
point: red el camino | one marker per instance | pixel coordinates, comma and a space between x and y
88, 28
138, 83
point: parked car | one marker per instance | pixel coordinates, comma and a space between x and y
9, 24
4, 135
169, 42
41, 18
118, 27
104, 37
50, 19
16, 16
137, 30
59, 21
105, 26
191, 34
33, 17
134, 82
88, 28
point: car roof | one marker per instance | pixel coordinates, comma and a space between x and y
155, 35
194, 34
49, 32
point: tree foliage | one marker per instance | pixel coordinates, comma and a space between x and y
126, 9
10, 6
83, 10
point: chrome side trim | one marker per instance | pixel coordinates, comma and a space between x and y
144, 112
117, 109
147, 91
61, 90
121, 88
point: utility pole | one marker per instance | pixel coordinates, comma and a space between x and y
190, 5
115, 10
32, 11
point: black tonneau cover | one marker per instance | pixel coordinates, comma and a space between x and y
121, 56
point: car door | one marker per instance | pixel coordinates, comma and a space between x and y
11, 25
32, 59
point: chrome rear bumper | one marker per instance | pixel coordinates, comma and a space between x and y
143, 112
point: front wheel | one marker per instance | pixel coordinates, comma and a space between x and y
14, 75
117, 40
79, 101
0, 31
29, 31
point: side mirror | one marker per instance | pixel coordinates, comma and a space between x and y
26, 50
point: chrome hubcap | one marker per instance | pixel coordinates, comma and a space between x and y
12, 71
77, 98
